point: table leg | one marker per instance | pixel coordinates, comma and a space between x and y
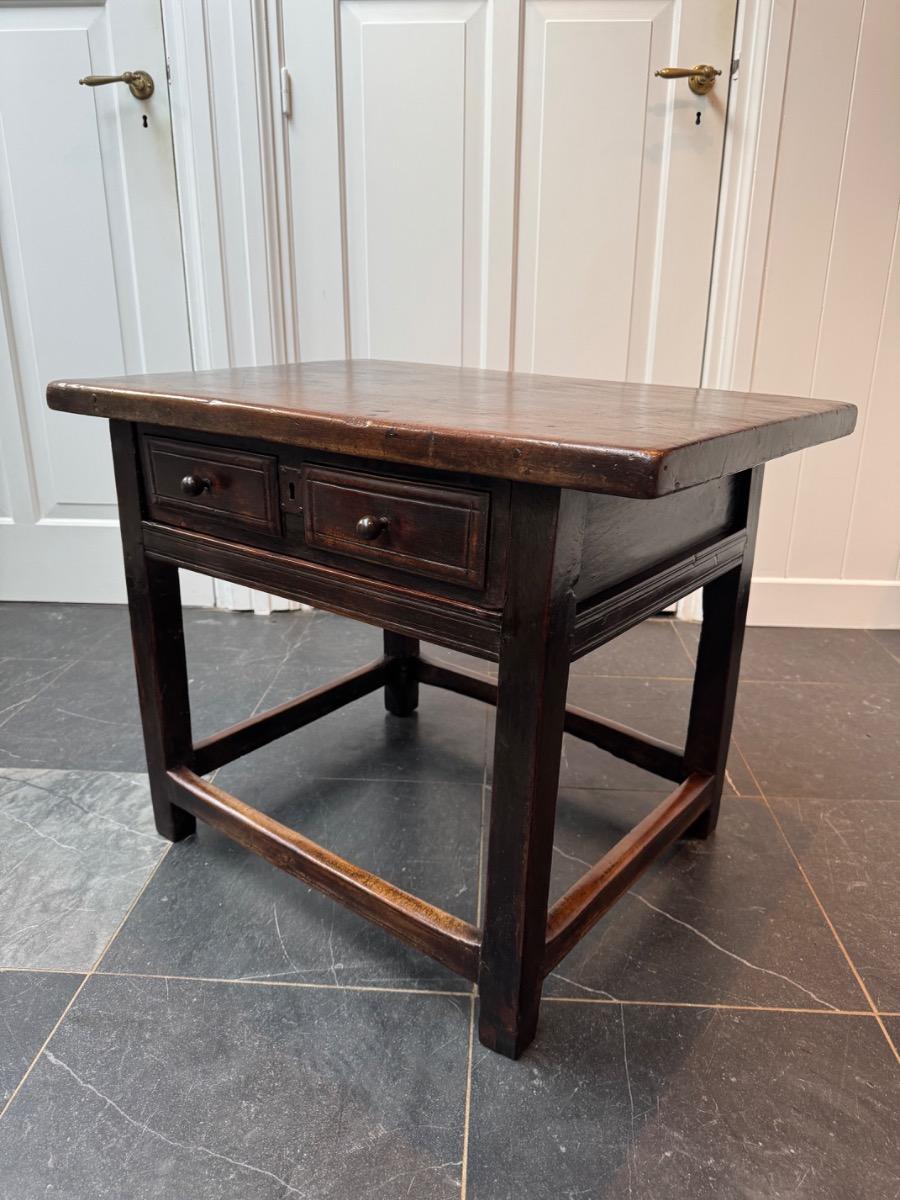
533, 675
725, 603
401, 692
157, 634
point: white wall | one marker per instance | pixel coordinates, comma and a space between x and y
806, 298
826, 319
229, 156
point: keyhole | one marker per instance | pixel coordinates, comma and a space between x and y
144, 119
292, 491
697, 122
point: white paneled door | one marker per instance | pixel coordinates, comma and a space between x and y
91, 278
495, 183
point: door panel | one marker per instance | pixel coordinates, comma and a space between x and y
582, 132
421, 163
500, 184
413, 137
619, 187
91, 277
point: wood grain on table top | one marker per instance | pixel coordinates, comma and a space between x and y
628, 439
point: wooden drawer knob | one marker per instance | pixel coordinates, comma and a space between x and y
195, 485
369, 528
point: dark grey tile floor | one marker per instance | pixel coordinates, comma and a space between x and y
185, 1022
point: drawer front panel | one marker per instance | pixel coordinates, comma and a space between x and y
192, 483
426, 529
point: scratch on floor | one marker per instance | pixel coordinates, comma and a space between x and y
584, 987
571, 857
745, 962
144, 1128
631, 1157
47, 837
287, 958
83, 716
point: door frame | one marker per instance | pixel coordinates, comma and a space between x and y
235, 204
752, 131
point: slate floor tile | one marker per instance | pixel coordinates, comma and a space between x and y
215, 910
850, 850
76, 848
336, 644
240, 637
62, 630
660, 1103
836, 741
172, 1088
23, 680
312, 641
808, 655
728, 920
88, 717
443, 741
650, 649
30, 1005
658, 707
163, 1090
889, 640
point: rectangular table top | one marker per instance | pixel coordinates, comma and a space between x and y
627, 439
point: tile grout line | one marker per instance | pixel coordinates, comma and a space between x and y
467, 1106
837, 937
683, 644
88, 975
422, 991
285, 983
761, 1008
891, 656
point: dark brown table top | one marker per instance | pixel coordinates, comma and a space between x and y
628, 439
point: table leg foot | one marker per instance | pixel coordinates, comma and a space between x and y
705, 824
718, 665
508, 1032
172, 822
401, 692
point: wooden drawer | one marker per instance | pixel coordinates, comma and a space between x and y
427, 529
203, 486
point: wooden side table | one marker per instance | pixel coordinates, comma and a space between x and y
518, 518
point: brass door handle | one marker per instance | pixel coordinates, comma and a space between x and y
140, 83
701, 79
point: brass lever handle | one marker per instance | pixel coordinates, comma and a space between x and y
701, 79
139, 82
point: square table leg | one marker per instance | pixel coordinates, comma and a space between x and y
531, 700
157, 634
725, 602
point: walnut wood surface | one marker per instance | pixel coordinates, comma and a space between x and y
240, 489
626, 439
558, 572
599, 888
427, 528
448, 939
546, 536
